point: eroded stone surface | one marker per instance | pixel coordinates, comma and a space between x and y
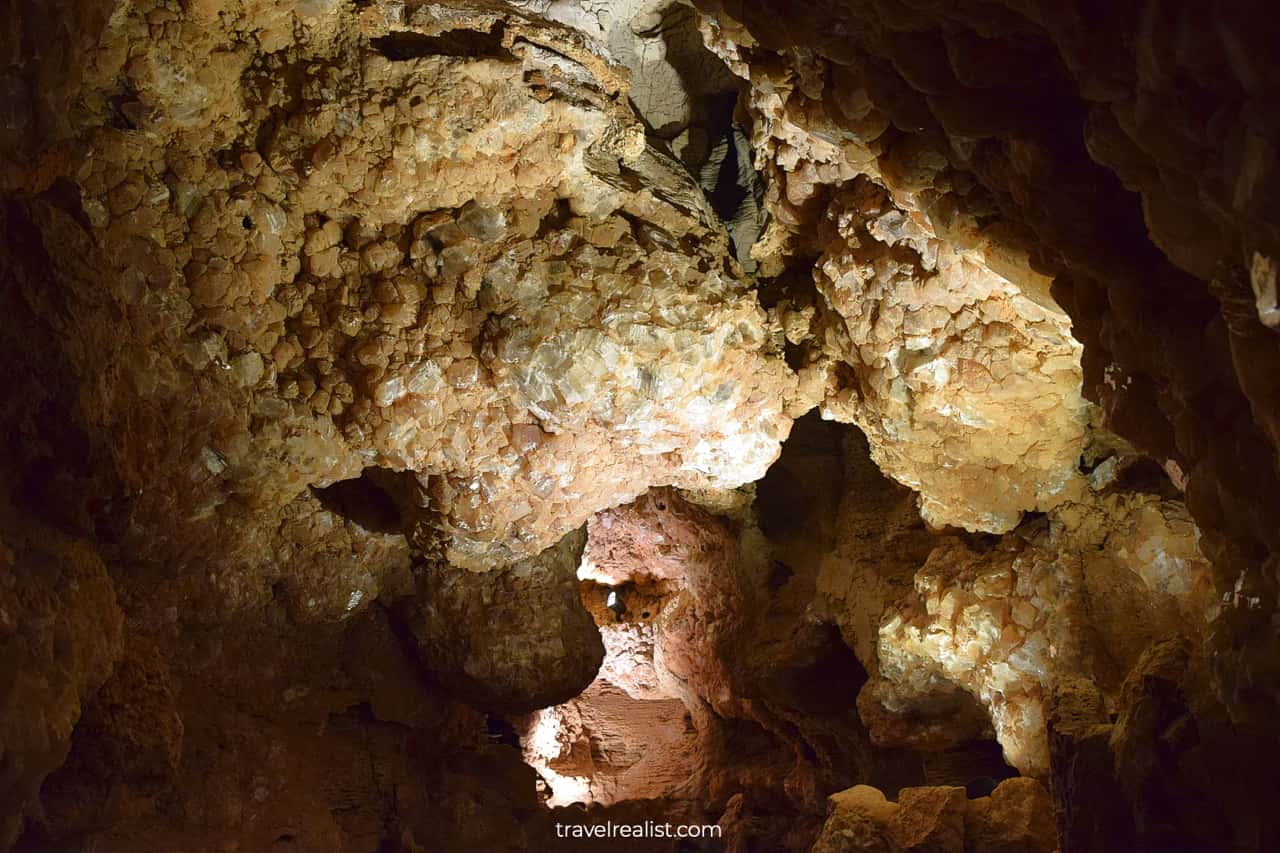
325, 322
711, 684
510, 639
1017, 816
350, 284
1084, 594
961, 378
963, 368
1155, 269
60, 637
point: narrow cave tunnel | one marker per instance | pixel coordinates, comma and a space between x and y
657, 425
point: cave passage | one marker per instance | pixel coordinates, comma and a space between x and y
433, 428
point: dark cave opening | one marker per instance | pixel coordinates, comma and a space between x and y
363, 501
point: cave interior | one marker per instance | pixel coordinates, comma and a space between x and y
476, 425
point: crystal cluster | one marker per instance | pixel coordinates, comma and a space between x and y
943, 347
1083, 595
962, 380
426, 240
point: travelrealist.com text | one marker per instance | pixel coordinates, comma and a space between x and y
645, 829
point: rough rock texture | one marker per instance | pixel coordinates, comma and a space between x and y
960, 377
681, 90
668, 714
348, 286
996, 126
1016, 818
326, 325
946, 350
311, 739
606, 747
61, 627
720, 694
61, 637
1171, 771
126, 750
347, 298
511, 639
1084, 594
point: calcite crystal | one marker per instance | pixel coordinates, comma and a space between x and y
963, 367
961, 377
1066, 149
429, 425
1083, 594
430, 241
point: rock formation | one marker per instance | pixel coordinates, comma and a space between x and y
441, 426
1016, 817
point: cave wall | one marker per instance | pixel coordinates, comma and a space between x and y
1123, 153
329, 325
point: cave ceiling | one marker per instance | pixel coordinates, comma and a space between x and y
842, 426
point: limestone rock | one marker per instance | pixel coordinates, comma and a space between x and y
962, 363
327, 324
60, 637
856, 822
680, 89
125, 750
1005, 624
961, 376
435, 244
604, 746
512, 639
1111, 182
1017, 818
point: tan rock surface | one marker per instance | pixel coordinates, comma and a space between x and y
961, 377
1067, 153
348, 285
1004, 624
1016, 817
326, 325
963, 367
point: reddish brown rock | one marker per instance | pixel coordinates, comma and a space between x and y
324, 322
60, 638
511, 639
1017, 818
